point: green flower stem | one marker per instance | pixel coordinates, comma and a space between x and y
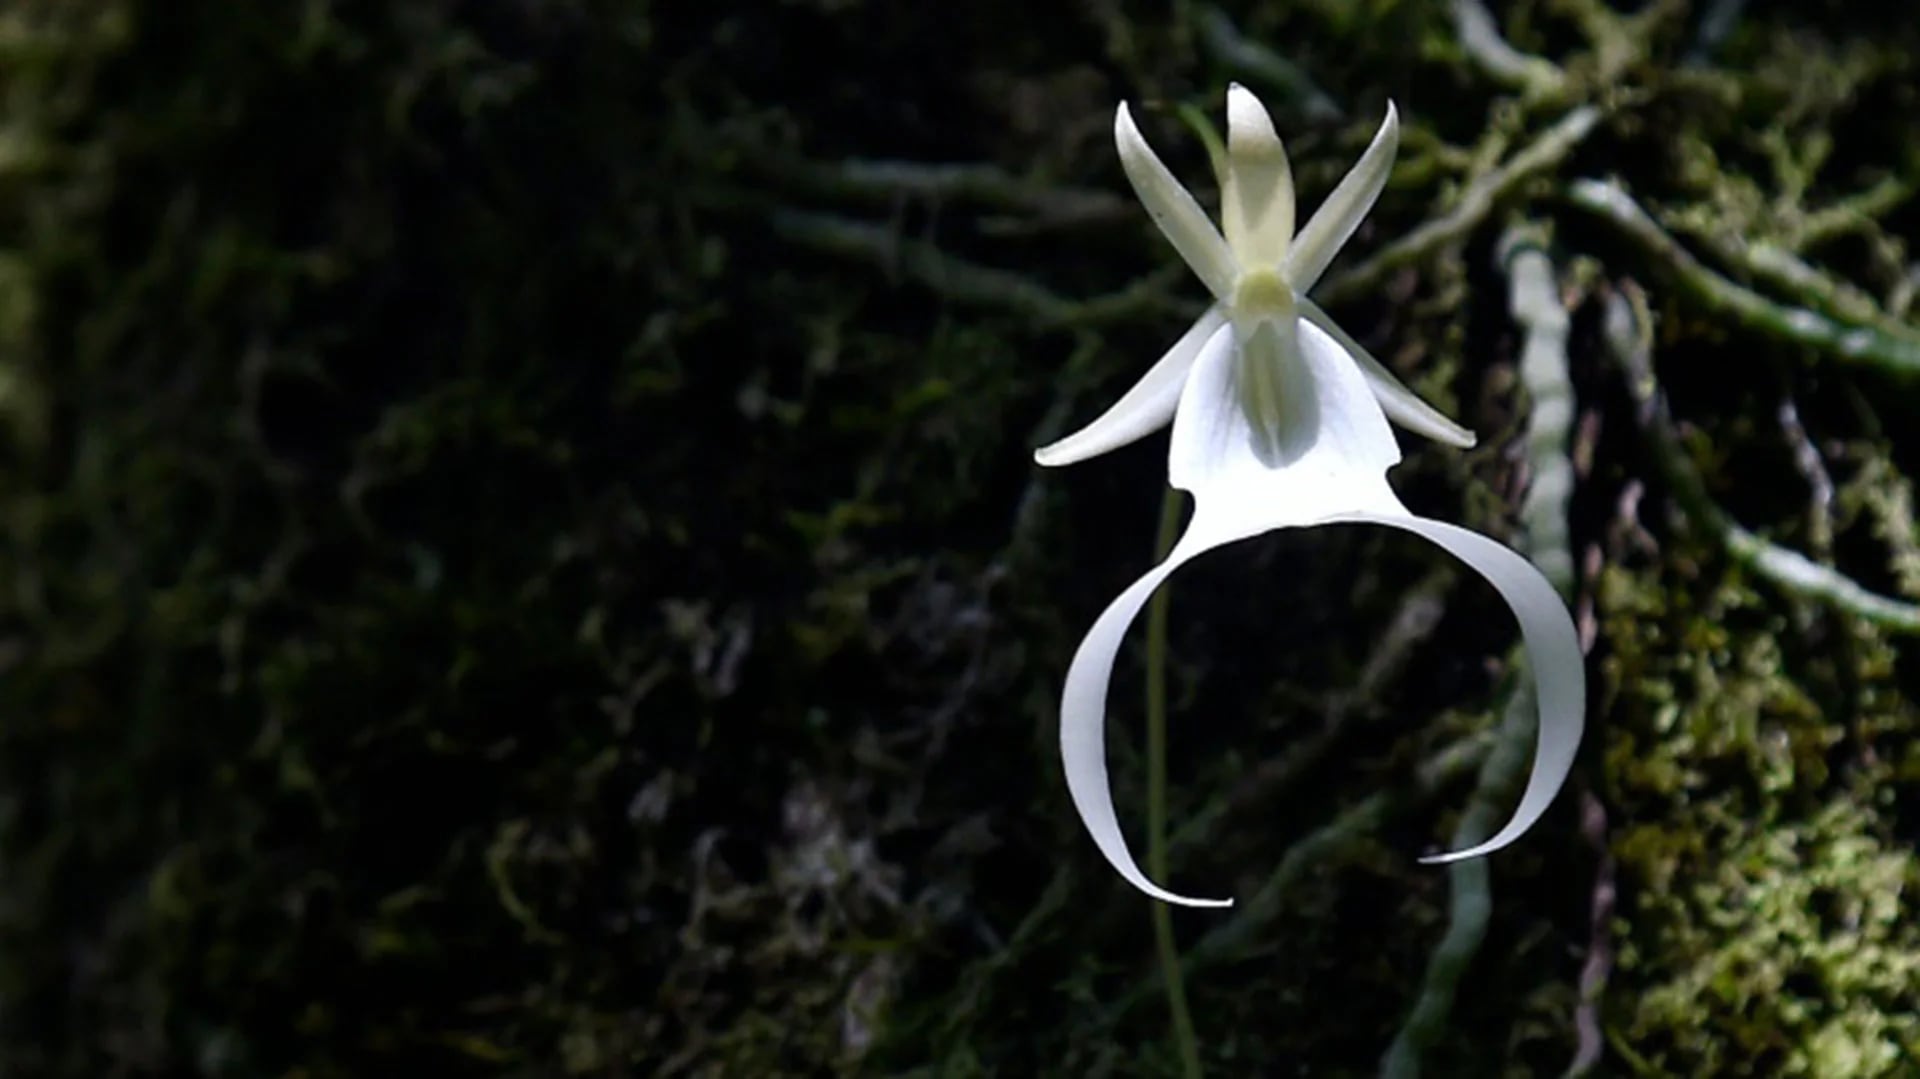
1169, 952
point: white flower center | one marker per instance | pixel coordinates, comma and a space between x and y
1260, 295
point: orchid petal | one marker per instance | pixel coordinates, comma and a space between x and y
1173, 208
1402, 405
1142, 410
1256, 196
1334, 222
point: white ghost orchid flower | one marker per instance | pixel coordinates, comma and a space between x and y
1280, 421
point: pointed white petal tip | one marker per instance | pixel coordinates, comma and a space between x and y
1067, 451
1451, 857
1249, 128
1124, 129
1423, 419
1127, 137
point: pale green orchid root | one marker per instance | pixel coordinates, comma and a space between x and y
1534, 302
1629, 341
1537, 78
1862, 344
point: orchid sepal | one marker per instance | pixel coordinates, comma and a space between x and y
1173, 208
1143, 409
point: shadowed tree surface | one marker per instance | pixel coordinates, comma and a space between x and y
519, 552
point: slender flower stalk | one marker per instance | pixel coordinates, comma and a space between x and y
1165, 948
1280, 421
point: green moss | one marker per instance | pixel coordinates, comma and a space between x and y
1767, 923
